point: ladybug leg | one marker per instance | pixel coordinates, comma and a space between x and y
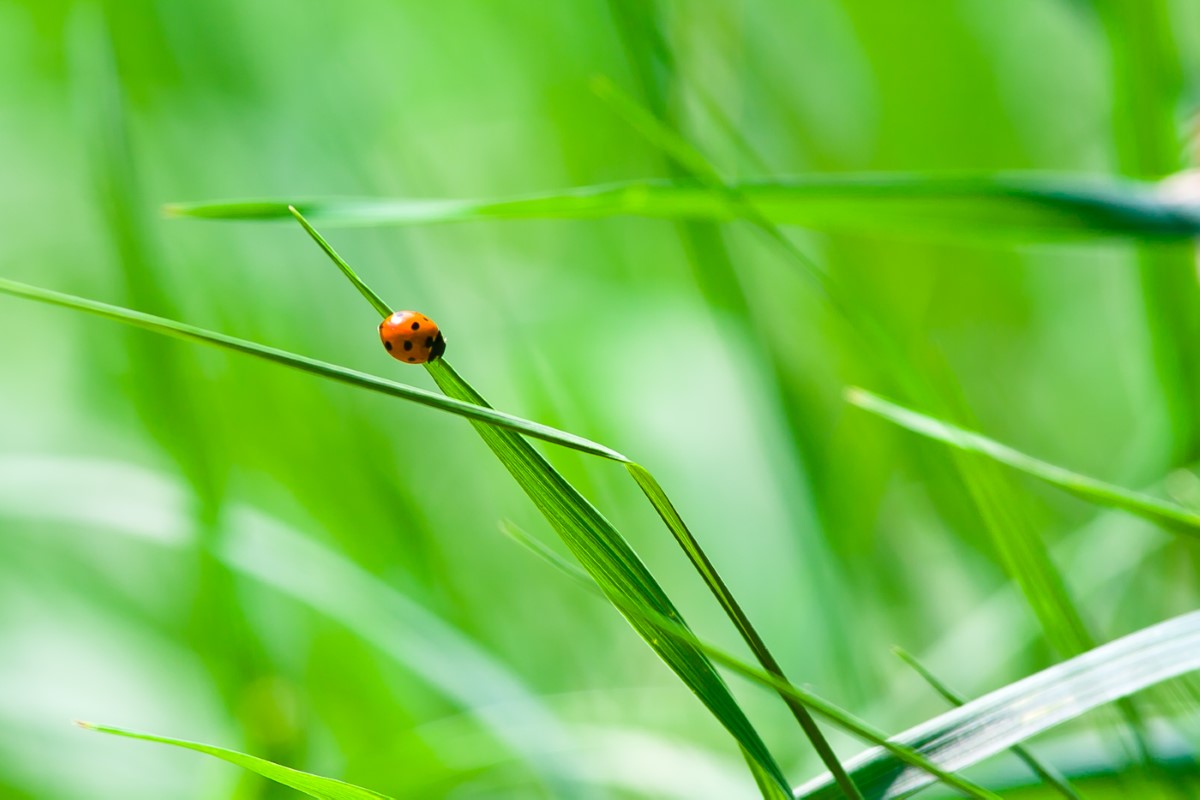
439, 347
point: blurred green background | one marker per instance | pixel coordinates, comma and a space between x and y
160, 504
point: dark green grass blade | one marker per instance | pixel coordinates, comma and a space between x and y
840, 717
598, 545
311, 785
1044, 771
982, 727
616, 569
180, 330
1162, 512
1015, 205
667, 512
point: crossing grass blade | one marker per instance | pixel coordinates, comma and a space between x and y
905, 763
995, 722
1162, 512
687, 542
596, 544
312, 785
590, 536
1006, 206
1049, 774
620, 574
180, 330
840, 717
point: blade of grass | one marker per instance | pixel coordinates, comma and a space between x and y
1021, 550
959, 207
180, 330
171, 401
683, 158
979, 728
814, 702
309, 784
375, 300
79, 496
1148, 87
596, 541
602, 550
1044, 771
1162, 512
615, 567
666, 511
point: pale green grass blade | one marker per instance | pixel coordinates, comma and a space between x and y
1027, 560
366, 291
1044, 771
1162, 512
79, 495
1016, 205
617, 570
180, 330
311, 785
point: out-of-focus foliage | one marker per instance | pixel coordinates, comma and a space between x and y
127, 464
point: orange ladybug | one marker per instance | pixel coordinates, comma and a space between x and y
411, 337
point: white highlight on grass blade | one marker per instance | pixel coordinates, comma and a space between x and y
1021, 710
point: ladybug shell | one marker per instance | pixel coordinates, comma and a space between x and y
412, 337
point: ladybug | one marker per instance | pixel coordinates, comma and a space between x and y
411, 337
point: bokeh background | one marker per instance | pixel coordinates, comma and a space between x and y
208, 547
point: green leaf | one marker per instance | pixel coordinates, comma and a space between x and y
1010, 205
840, 717
1163, 512
907, 762
615, 567
594, 541
1044, 771
311, 785
180, 330
679, 529
592, 538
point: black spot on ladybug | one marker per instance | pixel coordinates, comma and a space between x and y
429, 341
407, 345
416, 326
410, 358
388, 345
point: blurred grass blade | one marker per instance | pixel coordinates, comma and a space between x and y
311, 785
1163, 512
1007, 205
620, 574
982, 727
80, 494
995, 722
838, 716
180, 330
1044, 771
